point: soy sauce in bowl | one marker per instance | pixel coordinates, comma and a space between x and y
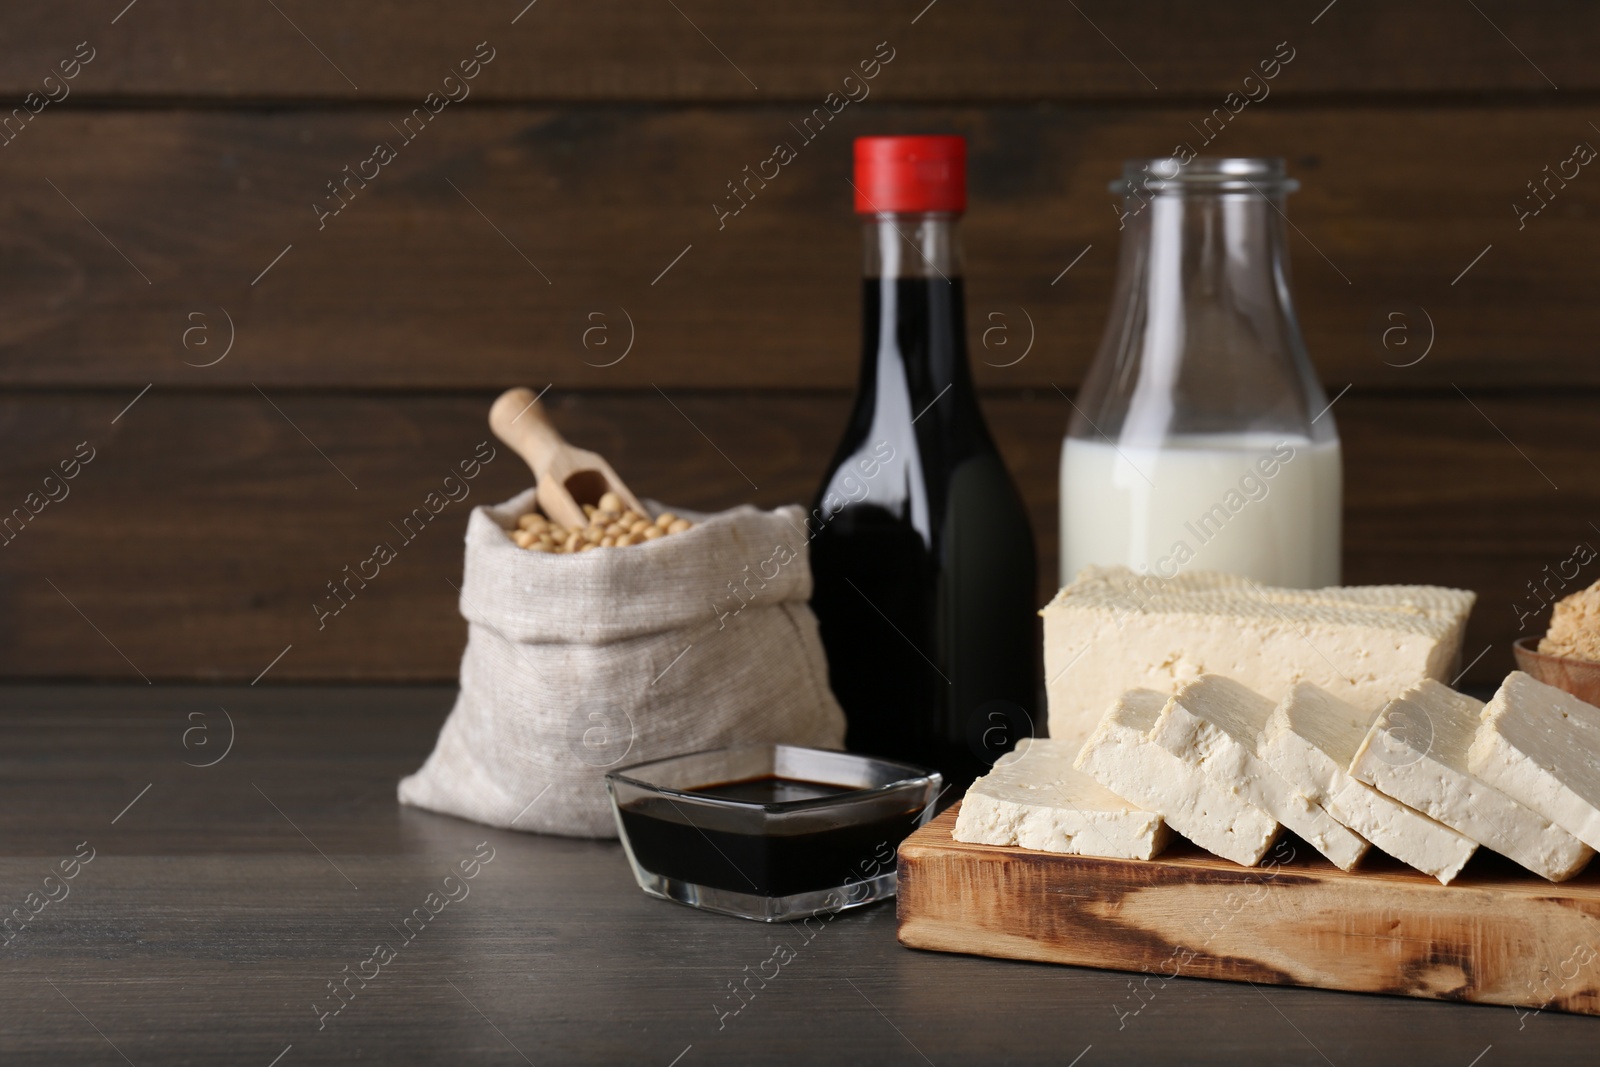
769, 832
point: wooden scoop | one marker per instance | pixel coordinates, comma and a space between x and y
568, 477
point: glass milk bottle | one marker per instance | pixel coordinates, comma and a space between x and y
1201, 438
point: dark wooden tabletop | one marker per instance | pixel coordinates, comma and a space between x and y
221, 901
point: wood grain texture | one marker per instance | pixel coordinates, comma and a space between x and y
612, 50
207, 526
207, 927
522, 244
1497, 935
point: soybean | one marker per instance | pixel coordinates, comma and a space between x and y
610, 524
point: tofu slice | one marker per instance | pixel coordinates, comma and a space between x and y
1213, 724
1035, 798
1310, 740
1416, 752
1120, 756
1541, 746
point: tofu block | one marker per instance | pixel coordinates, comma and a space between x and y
1311, 739
1112, 630
1213, 724
1120, 756
1416, 752
1541, 745
1035, 798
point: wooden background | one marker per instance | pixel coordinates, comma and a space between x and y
143, 215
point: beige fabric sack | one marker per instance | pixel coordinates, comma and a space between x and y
577, 664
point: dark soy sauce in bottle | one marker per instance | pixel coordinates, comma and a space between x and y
920, 546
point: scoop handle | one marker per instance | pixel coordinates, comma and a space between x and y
518, 419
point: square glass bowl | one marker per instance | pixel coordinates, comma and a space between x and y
769, 832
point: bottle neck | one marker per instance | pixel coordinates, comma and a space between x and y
914, 350
1203, 335
1231, 247
922, 245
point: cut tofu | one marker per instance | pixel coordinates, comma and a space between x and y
1541, 745
1213, 724
1035, 798
1310, 740
1120, 756
1416, 752
1112, 630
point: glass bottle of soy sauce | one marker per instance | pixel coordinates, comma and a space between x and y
921, 549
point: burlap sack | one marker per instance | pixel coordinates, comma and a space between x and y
576, 664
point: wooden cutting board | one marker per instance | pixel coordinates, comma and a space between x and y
1497, 935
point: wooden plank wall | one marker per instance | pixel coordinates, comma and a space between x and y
299, 379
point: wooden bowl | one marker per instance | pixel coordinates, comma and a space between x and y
1580, 677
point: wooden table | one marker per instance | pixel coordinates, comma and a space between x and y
222, 900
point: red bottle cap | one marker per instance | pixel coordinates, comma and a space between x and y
911, 174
